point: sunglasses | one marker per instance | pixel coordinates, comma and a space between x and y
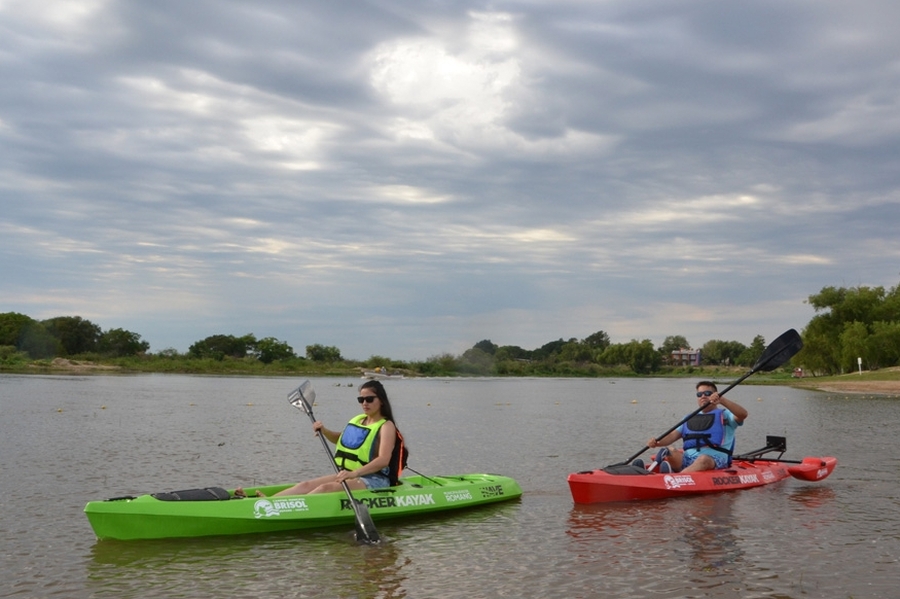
366, 398
704, 393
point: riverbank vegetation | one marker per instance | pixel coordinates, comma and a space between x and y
854, 329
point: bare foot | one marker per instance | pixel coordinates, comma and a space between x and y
240, 494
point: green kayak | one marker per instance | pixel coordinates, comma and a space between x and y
215, 511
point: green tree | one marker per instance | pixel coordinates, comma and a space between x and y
820, 353
10, 355
854, 345
884, 344
219, 346
614, 355
121, 343
837, 308
440, 365
673, 343
476, 361
719, 352
321, 353
750, 355
376, 361
576, 351
550, 349
269, 349
38, 343
12, 328
486, 346
511, 352
643, 357
76, 335
640, 356
597, 341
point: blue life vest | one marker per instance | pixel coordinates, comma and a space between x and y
706, 429
358, 445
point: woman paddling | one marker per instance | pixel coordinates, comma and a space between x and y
369, 451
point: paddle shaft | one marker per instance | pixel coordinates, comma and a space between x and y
365, 527
336, 469
779, 351
688, 417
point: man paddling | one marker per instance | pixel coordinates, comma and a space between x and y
708, 436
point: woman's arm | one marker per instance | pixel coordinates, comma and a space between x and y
332, 436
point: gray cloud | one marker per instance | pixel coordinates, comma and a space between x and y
406, 179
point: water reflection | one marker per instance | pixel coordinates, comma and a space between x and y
813, 497
836, 538
326, 564
654, 544
701, 529
708, 529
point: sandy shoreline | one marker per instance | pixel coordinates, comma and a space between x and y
870, 387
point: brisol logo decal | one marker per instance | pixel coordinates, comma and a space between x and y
676, 481
269, 508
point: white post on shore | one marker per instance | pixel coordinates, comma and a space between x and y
859, 363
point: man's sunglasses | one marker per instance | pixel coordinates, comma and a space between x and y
699, 393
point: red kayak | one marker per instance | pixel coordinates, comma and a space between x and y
625, 482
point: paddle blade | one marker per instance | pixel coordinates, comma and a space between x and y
779, 351
813, 469
303, 397
365, 527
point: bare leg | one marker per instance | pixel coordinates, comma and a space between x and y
306, 486
703, 462
354, 483
323, 484
675, 459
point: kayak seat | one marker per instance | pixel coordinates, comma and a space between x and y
207, 494
625, 469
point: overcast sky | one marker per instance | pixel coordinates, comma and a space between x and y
408, 178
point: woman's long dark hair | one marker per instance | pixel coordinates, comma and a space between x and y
378, 388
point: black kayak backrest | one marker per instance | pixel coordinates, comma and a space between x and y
206, 494
625, 469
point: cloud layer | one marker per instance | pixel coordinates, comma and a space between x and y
408, 178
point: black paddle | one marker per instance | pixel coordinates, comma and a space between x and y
779, 351
302, 397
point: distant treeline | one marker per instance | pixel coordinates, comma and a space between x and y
852, 324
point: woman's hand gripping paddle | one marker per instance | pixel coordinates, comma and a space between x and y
779, 351
302, 397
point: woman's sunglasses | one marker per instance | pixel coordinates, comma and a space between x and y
366, 398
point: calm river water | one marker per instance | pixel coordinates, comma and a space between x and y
67, 440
